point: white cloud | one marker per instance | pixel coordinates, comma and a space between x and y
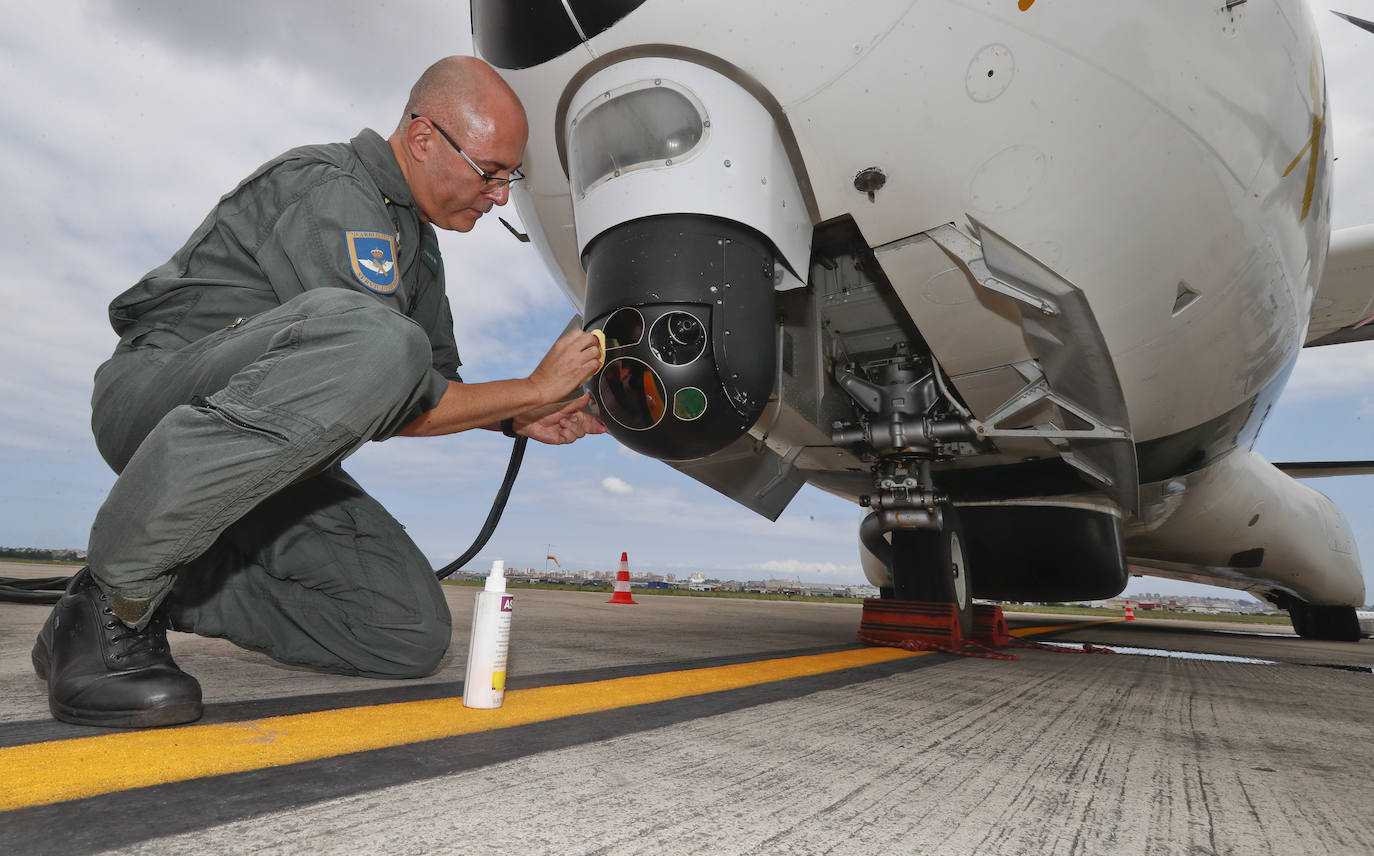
617, 486
789, 568
674, 503
1344, 372
128, 129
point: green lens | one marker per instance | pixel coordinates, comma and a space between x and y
689, 403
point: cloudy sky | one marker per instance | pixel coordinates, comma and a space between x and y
122, 122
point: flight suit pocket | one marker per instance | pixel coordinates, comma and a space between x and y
326, 535
389, 565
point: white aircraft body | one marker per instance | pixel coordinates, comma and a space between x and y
1024, 277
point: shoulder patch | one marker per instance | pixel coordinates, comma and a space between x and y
372, 258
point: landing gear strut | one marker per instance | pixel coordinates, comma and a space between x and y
913, 530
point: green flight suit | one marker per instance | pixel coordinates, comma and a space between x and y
305, 316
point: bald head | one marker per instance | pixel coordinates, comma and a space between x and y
459, 102
465, 91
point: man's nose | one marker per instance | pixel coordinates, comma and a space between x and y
499, 194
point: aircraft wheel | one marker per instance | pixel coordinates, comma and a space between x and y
1330, 623
1297, 613
933, 566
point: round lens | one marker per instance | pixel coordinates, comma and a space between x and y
689, 403
677, 338
631, 393
625, 327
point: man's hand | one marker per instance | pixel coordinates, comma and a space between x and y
537, 400
572, 359
559, 423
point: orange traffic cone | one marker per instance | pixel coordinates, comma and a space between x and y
622, 582
1130, 613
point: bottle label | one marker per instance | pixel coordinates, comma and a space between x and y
502, 647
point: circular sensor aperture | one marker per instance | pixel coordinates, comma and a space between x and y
625, 327
632, 393
677, 338
689, 403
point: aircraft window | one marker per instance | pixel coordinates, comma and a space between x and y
625, 327
677, 338
632, 393
643, 125
689, 404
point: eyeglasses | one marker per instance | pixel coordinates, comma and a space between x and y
489, 181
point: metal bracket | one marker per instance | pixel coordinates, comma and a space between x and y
751, 474
1076, 372
786, 465
1037, 391
970, 252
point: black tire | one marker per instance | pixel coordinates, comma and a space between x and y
933, 566
1298, 614
1329, 623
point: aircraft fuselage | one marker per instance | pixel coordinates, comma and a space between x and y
1169, 162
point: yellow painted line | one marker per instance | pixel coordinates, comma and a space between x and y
1027, 631
59, 770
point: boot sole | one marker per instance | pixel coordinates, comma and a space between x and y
40, 663
42, 651
176, 713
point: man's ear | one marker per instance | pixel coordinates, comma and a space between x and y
419, 137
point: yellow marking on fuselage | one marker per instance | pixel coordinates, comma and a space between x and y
1023, 5
1313, 147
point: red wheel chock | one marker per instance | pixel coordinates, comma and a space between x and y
899, 620
932, 626
925, 626
989, 627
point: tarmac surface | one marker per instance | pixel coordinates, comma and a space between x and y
714, 726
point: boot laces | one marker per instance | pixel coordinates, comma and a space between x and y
128, 642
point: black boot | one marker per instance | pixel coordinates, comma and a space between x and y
102, 672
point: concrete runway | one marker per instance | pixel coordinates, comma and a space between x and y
711, 726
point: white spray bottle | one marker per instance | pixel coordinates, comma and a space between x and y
485, 683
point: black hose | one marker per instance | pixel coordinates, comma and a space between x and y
39, 590
498, 505
46, 590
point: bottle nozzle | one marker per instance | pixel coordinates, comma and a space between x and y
496, 578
